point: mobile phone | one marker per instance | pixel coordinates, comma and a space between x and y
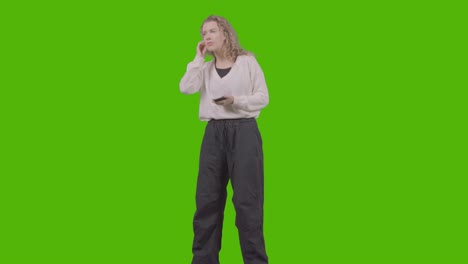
220, 99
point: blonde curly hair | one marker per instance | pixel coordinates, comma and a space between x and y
231, 47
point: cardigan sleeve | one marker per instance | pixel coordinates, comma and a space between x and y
193, 79
259, 97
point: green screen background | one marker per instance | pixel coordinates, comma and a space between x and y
364, 138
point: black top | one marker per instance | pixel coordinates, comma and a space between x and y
223, 72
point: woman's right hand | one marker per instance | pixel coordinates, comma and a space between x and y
201, 49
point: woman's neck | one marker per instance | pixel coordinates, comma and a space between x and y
223, 62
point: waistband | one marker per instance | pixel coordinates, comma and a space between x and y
235, 120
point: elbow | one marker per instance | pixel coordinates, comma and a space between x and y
265, 100
184, 88
188, 86
188, 90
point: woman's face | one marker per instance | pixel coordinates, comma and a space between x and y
213, 37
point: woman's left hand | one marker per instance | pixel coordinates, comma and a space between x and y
228, 101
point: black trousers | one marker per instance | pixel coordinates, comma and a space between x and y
231, 150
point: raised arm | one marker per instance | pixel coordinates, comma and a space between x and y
193, 79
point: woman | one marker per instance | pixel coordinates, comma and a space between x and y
232, 92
